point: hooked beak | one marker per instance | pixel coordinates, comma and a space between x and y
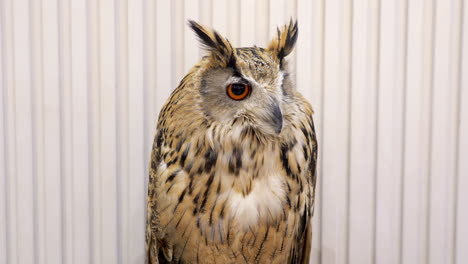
277, 117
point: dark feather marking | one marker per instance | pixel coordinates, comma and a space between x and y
159, 139
180, 219
153, 165
239, 159
233, 253
255, 236
171, 162
274, 253
198, 225
195, 203
242, 249
219, 40
170, 187
180, 143
231, 166
220, 231
185, 245
252, 155
204, 38
190, 187
306, 134
302, 225
207, 192
221, 214
298, 203
210, 156
185, 230
284, 237
306, 153
188, 168
181, 198
172, 176
284, 159
210, 221
183, 157
218, 190
233, 64
228, 235
261, 244
198, 251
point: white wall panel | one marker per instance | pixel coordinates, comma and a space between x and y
461, 214
390, 107
336, 131
3, 170
363, 145
444, 106
82, 83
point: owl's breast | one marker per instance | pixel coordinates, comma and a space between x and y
226, 199
264, 201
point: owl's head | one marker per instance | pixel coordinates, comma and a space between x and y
247, 86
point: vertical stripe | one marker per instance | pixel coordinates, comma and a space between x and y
3, 152
335, 124
417, 148
316, 98
165, 35
261, 22
220, 16
206, 12
247, 26
149, 84
107, 186
191, 45
51, 122
390, 107
38, 129
136, 166
10, 142
22, 113
81, 178
93, 76
234, 17
443, 135
363, 127
177, 38
461, 240
122, 121
66, 139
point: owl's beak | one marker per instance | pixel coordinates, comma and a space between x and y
277, 118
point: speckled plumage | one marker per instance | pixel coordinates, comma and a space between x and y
233, 181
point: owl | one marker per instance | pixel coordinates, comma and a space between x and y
233, 164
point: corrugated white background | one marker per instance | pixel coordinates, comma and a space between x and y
82, 83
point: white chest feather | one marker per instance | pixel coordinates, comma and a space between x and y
263, 202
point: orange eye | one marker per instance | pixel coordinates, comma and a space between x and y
238, 91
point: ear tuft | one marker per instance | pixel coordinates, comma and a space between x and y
284, 42
211, 40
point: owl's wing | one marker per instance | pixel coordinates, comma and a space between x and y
301, 253
157, 251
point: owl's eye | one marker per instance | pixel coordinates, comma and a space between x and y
238, 91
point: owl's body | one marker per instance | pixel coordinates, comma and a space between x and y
233, 181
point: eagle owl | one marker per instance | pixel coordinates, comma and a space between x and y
233, 165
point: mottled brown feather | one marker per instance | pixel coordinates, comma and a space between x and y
203, 170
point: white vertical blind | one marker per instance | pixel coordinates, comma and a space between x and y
82, 82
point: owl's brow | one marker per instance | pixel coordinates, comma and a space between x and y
232, 63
